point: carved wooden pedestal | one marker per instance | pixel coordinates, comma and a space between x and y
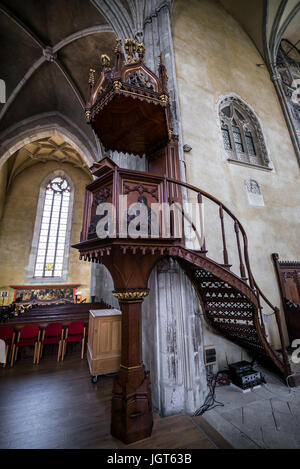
131, 418
131, 402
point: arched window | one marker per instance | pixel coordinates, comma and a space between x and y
50, 246
242, 136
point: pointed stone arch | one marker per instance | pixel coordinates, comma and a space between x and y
43, 126
249, 122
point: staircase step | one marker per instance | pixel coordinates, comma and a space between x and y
228, 301
230, 316
232, 309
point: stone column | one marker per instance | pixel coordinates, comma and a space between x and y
172, 341
158, 38
102, 285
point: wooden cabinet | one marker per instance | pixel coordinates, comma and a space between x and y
104, 341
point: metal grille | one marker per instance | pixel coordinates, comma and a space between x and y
51, 245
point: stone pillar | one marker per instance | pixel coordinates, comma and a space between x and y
172, 341
102, 285
158, 38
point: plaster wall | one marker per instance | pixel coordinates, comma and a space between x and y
17, 226
215, 57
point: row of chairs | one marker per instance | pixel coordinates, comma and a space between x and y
30, 335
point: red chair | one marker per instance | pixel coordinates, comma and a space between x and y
75, 332
53, 334
28, 335
7, 333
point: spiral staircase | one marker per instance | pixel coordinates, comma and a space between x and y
232, 301
129, 110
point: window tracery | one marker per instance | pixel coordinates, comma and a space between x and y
242, 136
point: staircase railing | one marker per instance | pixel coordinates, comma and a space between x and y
245, 273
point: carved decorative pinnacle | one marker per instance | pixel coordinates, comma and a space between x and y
162, 69
117, 85
105, 60
164, 98
141, 50
118, 47
130, 47
92, 77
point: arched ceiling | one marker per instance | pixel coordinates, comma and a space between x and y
53, 148
49, 48
250, 16
267, 22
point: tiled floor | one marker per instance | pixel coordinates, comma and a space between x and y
267, 417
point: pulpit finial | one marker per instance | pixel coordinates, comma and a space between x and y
92, 77
105, 61
130, 49
118, 47
141, 50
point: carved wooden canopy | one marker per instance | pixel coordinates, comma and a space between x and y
129, 105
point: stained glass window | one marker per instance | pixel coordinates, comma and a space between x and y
241, 132
226, 111
237, 138
51, 245
226, 137
249, 143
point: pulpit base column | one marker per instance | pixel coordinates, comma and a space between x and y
131, 405
131, 418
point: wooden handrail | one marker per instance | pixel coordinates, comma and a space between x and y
241, 228
238, 227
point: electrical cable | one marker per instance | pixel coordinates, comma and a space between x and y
210, 401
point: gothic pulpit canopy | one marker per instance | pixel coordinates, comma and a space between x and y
129, 105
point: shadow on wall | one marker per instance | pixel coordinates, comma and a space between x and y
102, 285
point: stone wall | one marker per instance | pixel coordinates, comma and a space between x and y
215, 57
17, 225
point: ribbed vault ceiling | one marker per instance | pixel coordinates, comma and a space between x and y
49, 48
53, 148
